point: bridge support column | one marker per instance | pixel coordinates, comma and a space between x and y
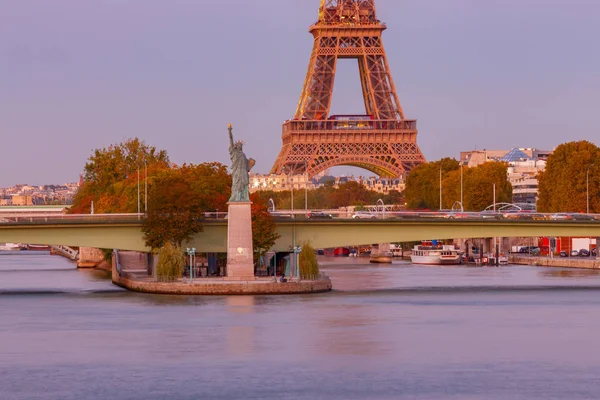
240, 254
381, 254
89, 257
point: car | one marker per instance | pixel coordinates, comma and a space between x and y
561, 217
319, 215
459, 214
490, 214
574, 253
277, 214
584, 253
582, 217
563, 254
364, 215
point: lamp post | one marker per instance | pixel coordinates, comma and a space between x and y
138, 192
192, 254
462, 207
145, 187
440, 187
305, 188
380, 202
587, 186
271, 205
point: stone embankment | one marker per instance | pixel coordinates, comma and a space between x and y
223, 287
559, 262
133, 275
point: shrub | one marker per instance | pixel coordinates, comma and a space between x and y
309, 267
171, 261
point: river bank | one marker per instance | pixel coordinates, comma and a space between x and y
556, 262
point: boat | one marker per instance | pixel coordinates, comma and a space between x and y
502, 259
341, 252
432, 253
9, 247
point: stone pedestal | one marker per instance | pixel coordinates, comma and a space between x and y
240, 258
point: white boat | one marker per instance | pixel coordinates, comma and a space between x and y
9, 247
435, 254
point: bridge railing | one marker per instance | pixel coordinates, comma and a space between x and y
20, 219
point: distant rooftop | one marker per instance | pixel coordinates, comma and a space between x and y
515, 155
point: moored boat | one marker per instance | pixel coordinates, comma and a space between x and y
341, 252
432, 253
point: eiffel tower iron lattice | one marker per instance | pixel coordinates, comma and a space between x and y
382, 140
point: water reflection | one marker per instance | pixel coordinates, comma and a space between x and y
569, 273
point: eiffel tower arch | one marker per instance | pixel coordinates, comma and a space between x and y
382, 140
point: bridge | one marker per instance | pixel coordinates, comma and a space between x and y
123, 231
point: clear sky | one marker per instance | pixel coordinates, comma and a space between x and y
76, 75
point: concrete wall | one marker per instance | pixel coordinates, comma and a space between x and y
89, 257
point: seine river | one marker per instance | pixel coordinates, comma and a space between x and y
386, 332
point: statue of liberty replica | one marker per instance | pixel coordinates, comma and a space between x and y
240, 167
240, 256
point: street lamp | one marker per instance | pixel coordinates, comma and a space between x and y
462, 208
440, 187
587, 185
145, 187
305, 188
192, 254
380, 202
271, 205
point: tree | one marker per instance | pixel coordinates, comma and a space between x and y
171, 262
423, 184
309, 267
111, 176
178, 199
174, 211
263, 227
563, 184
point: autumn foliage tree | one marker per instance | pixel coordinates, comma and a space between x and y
563, 185
111, 177
178, 198
264, 235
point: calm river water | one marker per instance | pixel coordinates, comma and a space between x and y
387, 332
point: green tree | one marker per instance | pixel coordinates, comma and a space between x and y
171, 261
309, 266
423, 184
563, 184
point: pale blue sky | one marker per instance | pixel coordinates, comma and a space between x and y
81, 74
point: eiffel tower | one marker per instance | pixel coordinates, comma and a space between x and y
381, 140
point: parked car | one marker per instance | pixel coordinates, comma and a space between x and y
584, 253
277, 214
561, 217
490, 214
319, 215
582, 217
563, 254
574, 253
364, 215
529, 250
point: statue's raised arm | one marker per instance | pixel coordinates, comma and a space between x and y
239, 170
230, 129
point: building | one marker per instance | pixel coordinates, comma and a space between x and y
278, 183
22, 200
524, 164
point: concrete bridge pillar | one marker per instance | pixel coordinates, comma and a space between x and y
381, 253
89, 257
